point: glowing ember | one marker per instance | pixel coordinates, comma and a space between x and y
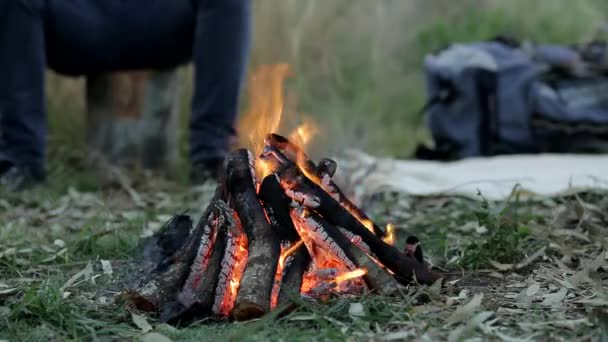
202, 255
327, 256
360, 272
390, 234
285, 253
239, 267
228, 288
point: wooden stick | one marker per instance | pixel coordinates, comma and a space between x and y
327, 166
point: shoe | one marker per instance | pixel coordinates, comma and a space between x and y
206, 170
15, 178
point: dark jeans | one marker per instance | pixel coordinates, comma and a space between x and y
79, 37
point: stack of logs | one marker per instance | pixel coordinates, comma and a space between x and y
259, 245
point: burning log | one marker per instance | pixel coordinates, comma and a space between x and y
311, 171
376, 278
318, 241
312, 196
259, 245
253, 299
283, 144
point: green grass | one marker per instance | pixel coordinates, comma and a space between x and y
49, 234
502, 242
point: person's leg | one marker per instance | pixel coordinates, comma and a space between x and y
221, 48
22, 107
98, 36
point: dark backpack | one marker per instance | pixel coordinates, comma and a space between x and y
502, 97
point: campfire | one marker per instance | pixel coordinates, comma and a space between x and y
278, 228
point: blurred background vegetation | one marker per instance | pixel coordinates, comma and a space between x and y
358, 63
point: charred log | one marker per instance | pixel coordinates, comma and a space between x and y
276, 203
275, 158
291, 282
174, 234
312, 196
169, 277
253, 298
326, 167
197, 296
413, 248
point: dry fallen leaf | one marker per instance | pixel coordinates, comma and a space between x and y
141, 322
86, 272
531, 258
398, 335
356, 309
532, 290
466, 311
154, 337
106, 266
8, 291
555, 299
499, 266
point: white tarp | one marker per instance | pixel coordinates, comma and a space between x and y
494, 177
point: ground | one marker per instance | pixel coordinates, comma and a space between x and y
516, 270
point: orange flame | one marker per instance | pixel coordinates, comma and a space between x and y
389, 238
262, 169
266, 110
266, 96
303, 134
367, 223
